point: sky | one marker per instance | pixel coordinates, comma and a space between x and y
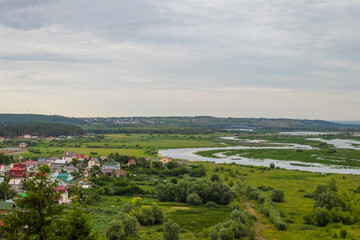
224, 58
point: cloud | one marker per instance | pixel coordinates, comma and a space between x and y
193, 45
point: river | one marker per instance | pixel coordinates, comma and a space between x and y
190, 154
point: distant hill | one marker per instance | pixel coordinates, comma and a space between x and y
190, 125
348, 122
10, 119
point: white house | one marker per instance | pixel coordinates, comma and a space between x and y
68, 156
93, 162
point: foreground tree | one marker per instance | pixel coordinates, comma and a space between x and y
34, 217
122, 228
79, 223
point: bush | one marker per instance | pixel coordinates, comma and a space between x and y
277, 196
211, 204
343, 233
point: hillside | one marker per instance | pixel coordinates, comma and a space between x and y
10, 119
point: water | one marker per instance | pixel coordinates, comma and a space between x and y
340, 143
190, 154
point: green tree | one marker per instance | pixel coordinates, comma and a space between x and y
158, 214
45, 168
34, 217
194, 199
272, 165
322, 216
116, 231
79, 223
171, 231
5, 191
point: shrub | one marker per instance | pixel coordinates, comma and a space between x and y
343, 233
277, 196
211, 204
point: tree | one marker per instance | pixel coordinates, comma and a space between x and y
5, 191
45, 168
193, 199
277, 196
79, 223
215, 177
171, 231
322, 216
116, 231
34, 217
272, 165
158, 214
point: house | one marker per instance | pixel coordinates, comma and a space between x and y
165, 160
108, 172
70, 169
2, 168
55, 167
2, 139
65, 177
52, 159
44, 162
23, 145
6, 207
27, 136
93, 162
80, 157
112, 165
41, 159
131, 162
85, 184
64, 198
60, 161
120, 173
68, 156
20, 165
102, 158
17, 172
15, 184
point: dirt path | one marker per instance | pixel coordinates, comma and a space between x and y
257, 223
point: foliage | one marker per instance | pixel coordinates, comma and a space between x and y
79, 223
171, 231
5, 191
240, 225
34, 217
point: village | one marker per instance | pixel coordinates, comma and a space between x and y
72, 169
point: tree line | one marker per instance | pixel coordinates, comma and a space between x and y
40, 129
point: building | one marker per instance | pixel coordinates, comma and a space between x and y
165, 160
53, 159
93, 162
65, 177
80, 157
42, 158
131, 162
108, 172
15, 184
68, 156
6, 207
17, 172
23, 145
64, 198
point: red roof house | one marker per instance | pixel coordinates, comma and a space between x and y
17, 172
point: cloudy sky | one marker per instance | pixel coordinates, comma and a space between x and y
239, 58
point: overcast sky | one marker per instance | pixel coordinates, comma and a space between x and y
239, 58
